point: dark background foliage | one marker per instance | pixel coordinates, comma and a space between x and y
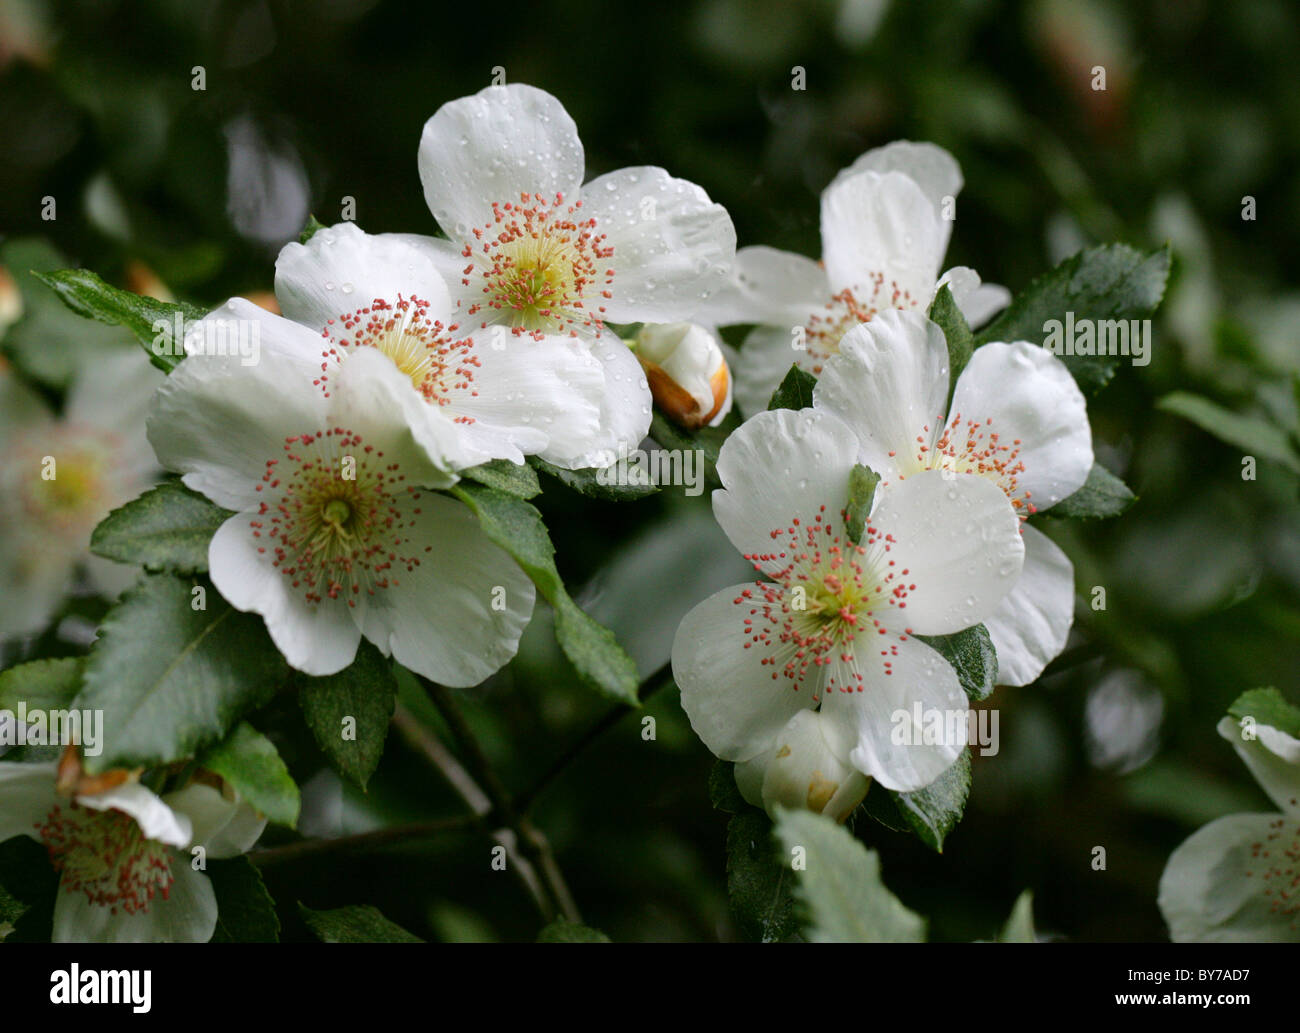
309, 102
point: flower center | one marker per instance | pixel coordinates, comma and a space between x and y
1276, 861
438, 363
335, 524
70, 494
104, 855
540, 266
969, 446
830, 594
847, 309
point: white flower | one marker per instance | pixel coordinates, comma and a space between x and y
125, 855
505, 396
1238, 878
61, 476
332, 538
835, 626
801, 771
533, 249
688, 375
885, 224
1017, 419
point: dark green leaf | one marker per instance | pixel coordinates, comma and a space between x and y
1254, 435
245, 910
153, 322
354, 924
880, 806
757, 883
956, 331
862, 492
11, 909
250, 762
561, 931
366, 692
1268, 707
517, 527
972, 656
167, 528
1110, 282
724, 794
795, 391
170, 678
842, 898
1102, 495
514, 479
589, 482
28, 877
934, 811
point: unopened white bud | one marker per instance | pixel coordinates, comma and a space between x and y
688, 376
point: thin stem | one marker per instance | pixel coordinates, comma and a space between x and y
362, 841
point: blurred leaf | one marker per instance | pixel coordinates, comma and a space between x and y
841, 895
41, 684
794, 392
512, 478
1019, 927
354, 924
972, 656
245, 910
309, 230
934, 811
1101, 495
757, 883
1252, 434
517, 527
562, 931
170, 678
1268, 707
87, 295
11, 909
366, 691
1110, 282
249, 761
588, 482
862, 492
169, 527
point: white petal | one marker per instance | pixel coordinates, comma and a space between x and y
780, 467
1031, 624
493, 146
1273, 757
673, 247
316, 639
882, 224
223, 827
979, 302
957, 539
534, 396
624, 409
763, 361
1030, 397
768, 286
932, 168
187, 915
341, 269
1206, 895
157, 821
889, 382
441, 619
218, 422
735, 702
862, 725
26, 797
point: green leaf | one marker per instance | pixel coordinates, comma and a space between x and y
309, 230
167, 528
1102, 495
956, 331
517, 527
354, 924
1020, 925
972, 656
562, 931
588, 482
1252, 434
171, 679
708, 440
839, 889
1268, 707
862, 492
934, 811
153, 322
512, 478
1110, 282
11, 909
757, 884
724, 794
880, 806
366, 691
249, 761
795, 391
40, 685
245, 910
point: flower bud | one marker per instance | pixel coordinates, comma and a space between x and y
688, 376
800, 771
